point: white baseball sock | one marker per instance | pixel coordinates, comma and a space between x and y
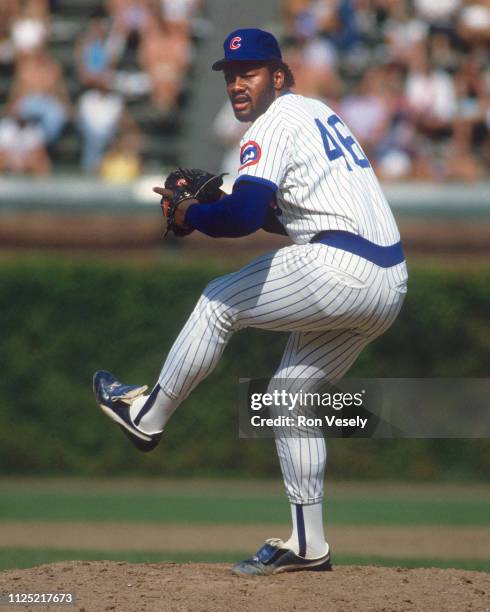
150, 413
307, 539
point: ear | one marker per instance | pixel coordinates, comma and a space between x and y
278, 79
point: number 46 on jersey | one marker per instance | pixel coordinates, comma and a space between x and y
337, 143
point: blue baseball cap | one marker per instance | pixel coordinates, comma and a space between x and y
248, 45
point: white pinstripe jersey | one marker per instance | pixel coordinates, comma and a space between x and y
324, 180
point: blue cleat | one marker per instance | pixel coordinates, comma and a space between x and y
114, 399
275, 558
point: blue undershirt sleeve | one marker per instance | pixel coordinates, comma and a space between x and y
239, 214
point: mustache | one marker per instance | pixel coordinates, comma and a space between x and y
240, 98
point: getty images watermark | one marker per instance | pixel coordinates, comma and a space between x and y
296, 402
365, 408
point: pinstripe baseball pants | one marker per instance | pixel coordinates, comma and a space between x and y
332, 301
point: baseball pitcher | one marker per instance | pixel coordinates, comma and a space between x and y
337, 287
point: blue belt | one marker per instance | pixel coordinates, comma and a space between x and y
384, 256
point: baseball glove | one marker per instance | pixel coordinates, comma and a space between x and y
184, 184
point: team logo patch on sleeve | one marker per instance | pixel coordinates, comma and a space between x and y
250, 154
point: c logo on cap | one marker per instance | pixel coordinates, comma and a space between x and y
235, 43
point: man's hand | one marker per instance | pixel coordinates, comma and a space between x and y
167, 196
184, 187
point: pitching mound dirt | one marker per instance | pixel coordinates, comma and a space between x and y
194, 587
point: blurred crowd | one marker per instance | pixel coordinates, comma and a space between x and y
410, 77
127, 49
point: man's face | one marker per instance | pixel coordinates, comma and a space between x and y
251, 89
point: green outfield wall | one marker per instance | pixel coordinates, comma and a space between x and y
61, 322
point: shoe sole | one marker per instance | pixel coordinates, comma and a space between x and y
117, 419
324, 566
145, 445
320, 566
141, 445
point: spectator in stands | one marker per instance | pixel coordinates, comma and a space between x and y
9, 10
180, 13
431, 95
30, 29
469, 123
22, 147
313, 63
395, 154
121, 163
474, 23
346, 36
442, 52
439, 14
95, 54
368, 111
401, 31
486, 143
99, 112
39, 92
472, 101
312, 58
164, 55
131, 17
306, 17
